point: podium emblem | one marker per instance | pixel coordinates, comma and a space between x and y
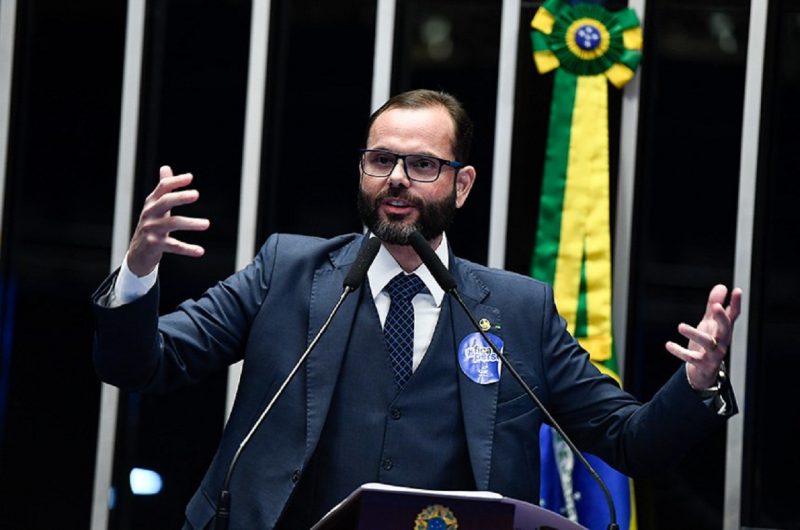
436, 517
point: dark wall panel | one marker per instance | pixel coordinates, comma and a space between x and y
684, 223
318, 101
771, 460
55, 247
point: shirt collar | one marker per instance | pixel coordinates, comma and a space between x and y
384, 268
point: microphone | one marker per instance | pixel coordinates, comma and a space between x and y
353, 280
358, 271
448, 284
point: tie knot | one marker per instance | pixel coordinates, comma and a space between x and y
404, 287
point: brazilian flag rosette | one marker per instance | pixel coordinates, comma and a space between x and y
588, 47
585, 40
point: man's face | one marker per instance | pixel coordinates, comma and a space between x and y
395, 206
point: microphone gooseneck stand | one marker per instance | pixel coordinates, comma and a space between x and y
448, 284
353, 280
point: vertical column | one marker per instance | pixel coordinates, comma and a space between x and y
751, 126
504, 129
251, 156
629, 131
8, 19
126, 165
382, 64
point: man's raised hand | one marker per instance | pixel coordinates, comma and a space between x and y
710, 340
152, 237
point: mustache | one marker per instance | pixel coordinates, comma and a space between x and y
398, 193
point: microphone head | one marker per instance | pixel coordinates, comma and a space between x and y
357, 273
432, 261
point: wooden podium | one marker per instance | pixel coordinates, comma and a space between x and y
382, 507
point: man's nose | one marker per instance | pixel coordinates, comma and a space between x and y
398, 175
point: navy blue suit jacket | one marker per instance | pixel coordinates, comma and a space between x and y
267, 313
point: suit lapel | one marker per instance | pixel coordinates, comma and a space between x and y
478, 402
324, 363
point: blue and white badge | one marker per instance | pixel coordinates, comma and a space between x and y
477, 360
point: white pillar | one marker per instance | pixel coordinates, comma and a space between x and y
748, 167
251, 156
8, 22
126, 165
382, 61
626, 183
503, 132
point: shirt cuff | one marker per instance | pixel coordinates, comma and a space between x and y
129, 287
715, 397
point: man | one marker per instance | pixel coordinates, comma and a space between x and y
364, 409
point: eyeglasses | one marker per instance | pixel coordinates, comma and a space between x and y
421, 168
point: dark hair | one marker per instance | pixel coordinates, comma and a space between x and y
423, 98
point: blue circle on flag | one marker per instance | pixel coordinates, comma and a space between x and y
477, 360
588, 37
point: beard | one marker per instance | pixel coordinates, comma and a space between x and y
434, 217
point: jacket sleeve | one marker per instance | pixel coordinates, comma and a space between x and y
637, 439
134, 349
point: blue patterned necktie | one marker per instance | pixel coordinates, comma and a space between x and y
398, 330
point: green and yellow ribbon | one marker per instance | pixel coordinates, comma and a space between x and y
588, 47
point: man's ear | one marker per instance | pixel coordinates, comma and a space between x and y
465, 178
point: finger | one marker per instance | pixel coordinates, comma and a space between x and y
704, 339
169, 183
724, 318
181, 223
684, 354
704, 363
163, 205
735, 307
172, 183
724, 325
155, 230
164, 172
175, 246
717, 296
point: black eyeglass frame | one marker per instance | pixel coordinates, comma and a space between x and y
442, 162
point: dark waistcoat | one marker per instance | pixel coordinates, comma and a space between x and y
375, 433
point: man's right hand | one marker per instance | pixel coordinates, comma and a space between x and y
152, 236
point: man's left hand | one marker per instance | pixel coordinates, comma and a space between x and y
710, 340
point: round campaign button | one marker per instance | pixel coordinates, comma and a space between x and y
477, 360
